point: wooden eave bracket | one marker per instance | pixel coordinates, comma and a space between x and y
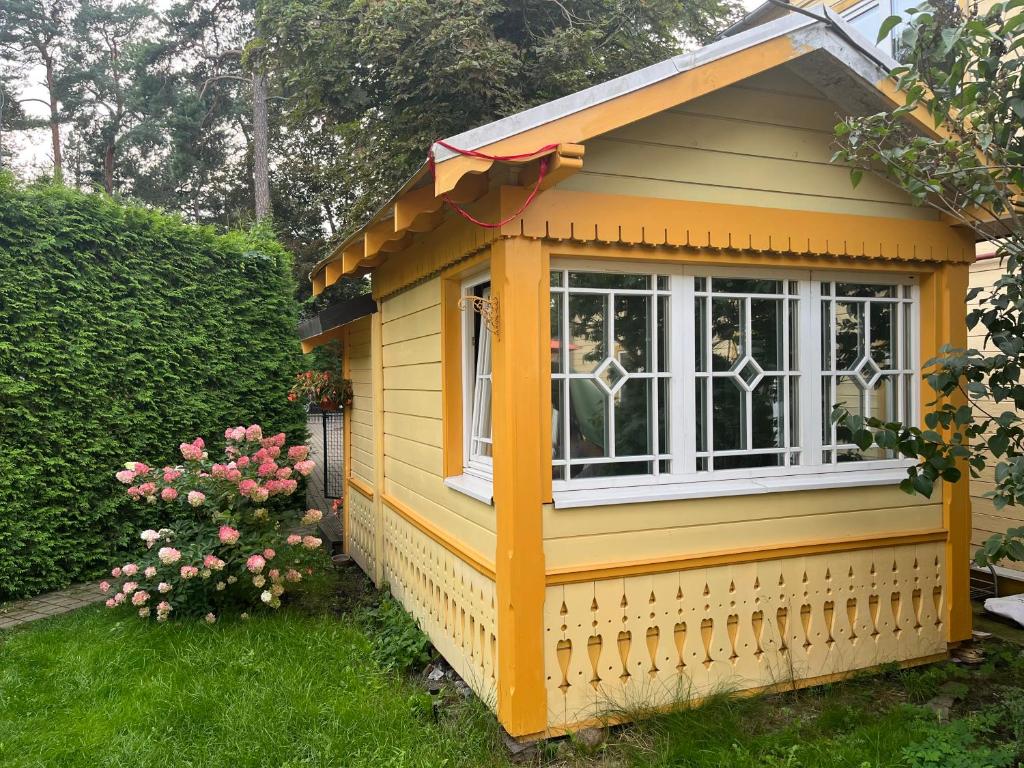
463, 180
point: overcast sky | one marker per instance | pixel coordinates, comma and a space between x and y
32, 148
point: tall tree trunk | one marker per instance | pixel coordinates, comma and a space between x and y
260, 151
58, 156
108, 168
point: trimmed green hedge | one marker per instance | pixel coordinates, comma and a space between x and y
123, 332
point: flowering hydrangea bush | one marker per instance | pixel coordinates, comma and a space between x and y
230, 546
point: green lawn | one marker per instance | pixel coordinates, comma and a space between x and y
304, 688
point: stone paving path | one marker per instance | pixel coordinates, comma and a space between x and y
50, 604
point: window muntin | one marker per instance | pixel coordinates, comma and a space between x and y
609, 374
866, 361
760, 333
477, 375
746, 373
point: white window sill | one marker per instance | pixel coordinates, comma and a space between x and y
472, 486
708, 489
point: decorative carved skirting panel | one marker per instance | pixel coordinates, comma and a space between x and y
361, 530
453, 602
616, 645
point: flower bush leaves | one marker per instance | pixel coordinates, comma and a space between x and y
124, 331
228, 546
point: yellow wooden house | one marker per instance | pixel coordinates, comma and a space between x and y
590, 448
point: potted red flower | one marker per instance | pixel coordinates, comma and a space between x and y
325, 389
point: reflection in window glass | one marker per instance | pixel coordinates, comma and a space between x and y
611, 410
743, 411
869, 328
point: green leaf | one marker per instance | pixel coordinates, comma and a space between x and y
888, 26
856, 174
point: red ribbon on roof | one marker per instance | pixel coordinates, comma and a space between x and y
545, 150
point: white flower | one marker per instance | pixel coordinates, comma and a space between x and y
266, 597
220, 586
258, 581
232, 579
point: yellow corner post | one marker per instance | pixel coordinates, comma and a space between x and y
942, 322
377, 379
519, 280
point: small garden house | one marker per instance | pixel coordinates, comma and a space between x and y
590, 447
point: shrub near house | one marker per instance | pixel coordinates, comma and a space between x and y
124, 331
229, 544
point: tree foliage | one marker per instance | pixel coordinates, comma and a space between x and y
968, 78
126, 331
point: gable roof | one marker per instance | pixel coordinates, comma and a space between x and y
817, 44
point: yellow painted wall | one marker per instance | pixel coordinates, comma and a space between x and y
764, 142
631, 532
986, 520
413, 437
359, 366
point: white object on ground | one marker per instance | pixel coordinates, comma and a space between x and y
1011, 607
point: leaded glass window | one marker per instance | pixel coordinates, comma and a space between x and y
609, 374
866, 361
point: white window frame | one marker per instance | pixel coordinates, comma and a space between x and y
684, 480
474, 463
886, 8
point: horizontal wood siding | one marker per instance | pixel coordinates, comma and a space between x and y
986, 519
764, 142
633, 532
359, 366
413, 438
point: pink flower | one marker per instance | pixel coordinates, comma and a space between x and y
118, 598
255, 432
196, 498
163, 588
168, 494
266, 469
116, 572
274, 574
269, 553
104, 586
130, 569
144, 612
274, 441
294, 539
163, 610
292, 575
150, 537
283, 473
168, 555
260, 494
289, 486
138, 467
255, 563
170, 475
228, 535
150, 572
147, 489
243, 462
134, 492
233, 475
188, 571
305, 467
273, 451
312, 516
247, 486
298, 452
125, 476
235, 433
129, 586
110, 602
213, 562
311, 542
139, 598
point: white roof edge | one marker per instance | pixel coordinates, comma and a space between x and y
798, 20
